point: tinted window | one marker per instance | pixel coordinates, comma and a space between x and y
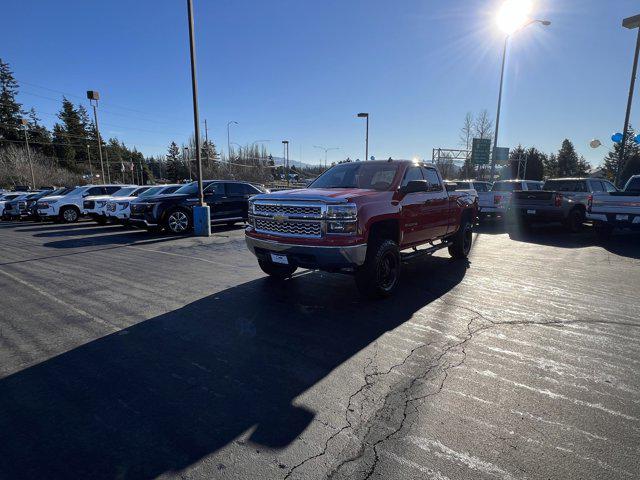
609, 187
235, 189
215, 189
533, 186
566, 185
413, 173
169, 189
95, 191
505, 186
114, 189
596, 186
633, 185
188, 189
432, 179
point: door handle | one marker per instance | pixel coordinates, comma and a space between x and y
428, 201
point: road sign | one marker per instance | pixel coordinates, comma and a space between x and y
481, 151
501, 154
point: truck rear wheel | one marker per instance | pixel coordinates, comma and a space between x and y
462, 240
574, 221
280, 272
378, 277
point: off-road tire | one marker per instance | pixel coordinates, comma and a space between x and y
379, 276
280, 272
462, 240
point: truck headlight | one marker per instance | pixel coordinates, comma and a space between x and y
251, 204
342, 212
342, 227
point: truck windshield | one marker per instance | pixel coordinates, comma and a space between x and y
373, 176
633, 185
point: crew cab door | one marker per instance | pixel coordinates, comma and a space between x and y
412, 210
437, 216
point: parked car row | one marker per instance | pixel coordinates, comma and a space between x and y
158, 207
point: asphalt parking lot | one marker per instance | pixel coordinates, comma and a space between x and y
130, 355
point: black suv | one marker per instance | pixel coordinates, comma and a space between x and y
228, 202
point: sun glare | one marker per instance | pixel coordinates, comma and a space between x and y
513, 15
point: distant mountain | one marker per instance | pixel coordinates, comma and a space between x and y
280, 161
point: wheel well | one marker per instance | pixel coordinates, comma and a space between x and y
73, 207
385, 230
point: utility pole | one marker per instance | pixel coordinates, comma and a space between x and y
25, 123
106, 154
631, 22
366, 142
285, 153
89, 160
93, 97
325, 152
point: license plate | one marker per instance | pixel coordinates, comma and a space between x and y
622, 218
279, 259
531, 212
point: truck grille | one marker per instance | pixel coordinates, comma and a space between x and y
294, 228
268, 209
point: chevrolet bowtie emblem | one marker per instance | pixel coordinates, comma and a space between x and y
280, 218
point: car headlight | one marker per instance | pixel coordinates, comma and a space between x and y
342, 212
251, 205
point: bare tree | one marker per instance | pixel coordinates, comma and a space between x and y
483, 125
466, 132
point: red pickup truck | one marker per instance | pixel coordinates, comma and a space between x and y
363, 218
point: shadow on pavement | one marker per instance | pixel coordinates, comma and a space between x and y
165, 392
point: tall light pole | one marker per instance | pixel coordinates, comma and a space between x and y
285, 153
229, 139
93, 97
25, 124
512, 17
325, 152
366, 141
631, 22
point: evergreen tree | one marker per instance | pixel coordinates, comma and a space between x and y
535, 164
64, 151
567, 159
39, 135
516, 155
10, 110
550, 166
174, 169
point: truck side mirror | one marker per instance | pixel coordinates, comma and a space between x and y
415, 186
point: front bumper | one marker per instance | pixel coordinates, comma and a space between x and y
314, 257
143, 222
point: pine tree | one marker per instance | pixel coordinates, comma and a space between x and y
10, 110
173, 162
39, 136
550, 165
535, 164
515, 156
567, 160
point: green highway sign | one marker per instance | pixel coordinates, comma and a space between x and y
481, 151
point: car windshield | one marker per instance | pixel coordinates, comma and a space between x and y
75, 191
375, 176
188, 189
633, 185
506, 186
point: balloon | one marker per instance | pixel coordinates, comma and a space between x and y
616, 137
595, 143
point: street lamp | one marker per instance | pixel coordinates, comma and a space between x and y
285, 146
25, 124
366, 142
512, 17
229, 138
631, 23
325, 152
93, 97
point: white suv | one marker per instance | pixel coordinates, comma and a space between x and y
118, 208
95, 206
68, 208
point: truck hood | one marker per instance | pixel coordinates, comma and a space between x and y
326, 195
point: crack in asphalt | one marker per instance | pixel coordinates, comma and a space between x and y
393, 398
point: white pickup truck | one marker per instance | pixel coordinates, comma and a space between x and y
615, 210
495, 202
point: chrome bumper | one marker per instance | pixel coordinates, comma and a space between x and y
311, 256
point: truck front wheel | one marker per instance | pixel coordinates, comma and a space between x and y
462, 240
379, 275
280, 272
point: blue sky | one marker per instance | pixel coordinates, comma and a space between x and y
301, 70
